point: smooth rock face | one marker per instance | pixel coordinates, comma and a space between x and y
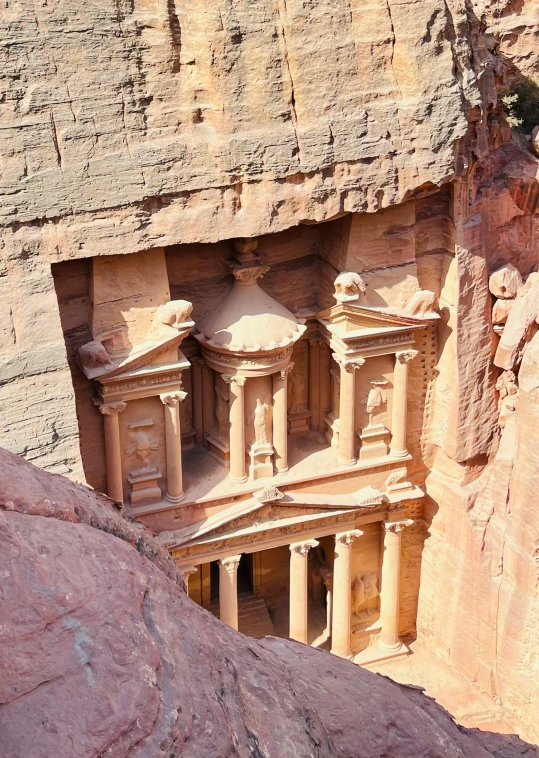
103, 654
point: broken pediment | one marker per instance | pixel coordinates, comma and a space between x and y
354, 317
134, 322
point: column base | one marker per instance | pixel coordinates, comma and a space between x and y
347, 464
377, 653
281, 471
399, 453
174, 498
239, 479
345, 656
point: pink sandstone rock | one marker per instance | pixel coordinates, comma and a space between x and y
505, 281
535, 140
520, 319
103, 654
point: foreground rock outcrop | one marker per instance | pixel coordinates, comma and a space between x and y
104, 655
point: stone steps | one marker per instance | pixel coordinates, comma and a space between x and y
253, 617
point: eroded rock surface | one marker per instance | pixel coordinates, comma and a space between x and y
103, 654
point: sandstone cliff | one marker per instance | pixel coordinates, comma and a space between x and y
103, 654
133, 125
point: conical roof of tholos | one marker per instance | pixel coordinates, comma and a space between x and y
249, 320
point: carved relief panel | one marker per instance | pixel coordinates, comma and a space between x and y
365, 585
143, 449
298, 390
374, 396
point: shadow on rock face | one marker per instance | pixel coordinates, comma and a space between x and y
103, 654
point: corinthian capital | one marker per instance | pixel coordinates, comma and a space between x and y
349, 365
110, 409
172, 398
407, 355
234, 379
395, 527
286, 370
346, 538
302, 548
230, 564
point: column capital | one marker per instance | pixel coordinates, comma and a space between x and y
111, 409
316, 342
172, 398
283, 373
346, 538
302, 548
230, 564
349, 365
234, 379
405, 356
197, 361
395, 527
186, 571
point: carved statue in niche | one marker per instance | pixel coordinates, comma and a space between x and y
364, 591
141, 445
507, 402
260, 423
222, 414
376, 398
348, 287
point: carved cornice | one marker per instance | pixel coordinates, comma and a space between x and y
122, 385
406, 355
230, 564
172, 398
346, 538
396, 527
251, 360
111, 409
302, 548
384, 339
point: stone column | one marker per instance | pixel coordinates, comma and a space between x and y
299, 565
228, 590
347, 404
325, 386
208, 402
237, 427
314, 383
400, 403
280, 419
173, 442
113, 452
342, 593
196, 388
389, 593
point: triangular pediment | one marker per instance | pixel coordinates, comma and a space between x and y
364, 317
146, 355
252, 515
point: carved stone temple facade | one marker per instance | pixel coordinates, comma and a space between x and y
264, 439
